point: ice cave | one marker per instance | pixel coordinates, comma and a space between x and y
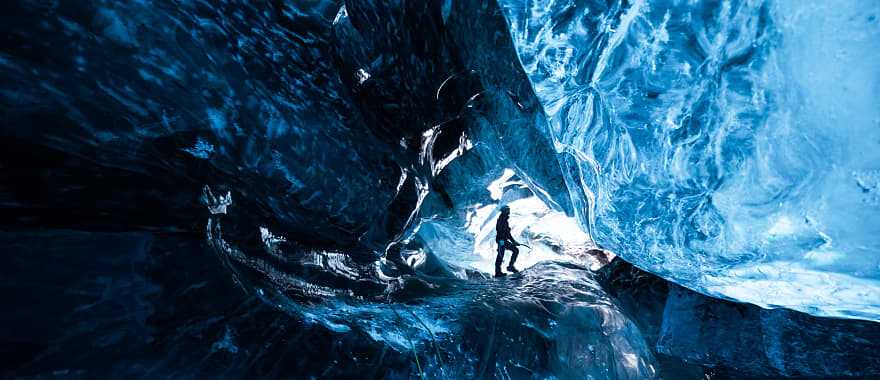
440, 189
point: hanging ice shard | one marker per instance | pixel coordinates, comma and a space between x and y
728, 146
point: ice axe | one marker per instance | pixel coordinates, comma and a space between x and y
522, 245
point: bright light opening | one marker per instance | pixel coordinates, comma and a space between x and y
549, 234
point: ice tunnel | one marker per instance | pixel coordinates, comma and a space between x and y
309, 189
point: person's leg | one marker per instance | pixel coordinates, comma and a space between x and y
499, 259
515, 252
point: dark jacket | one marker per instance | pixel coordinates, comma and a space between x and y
502, 229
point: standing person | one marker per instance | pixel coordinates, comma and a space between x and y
505, 241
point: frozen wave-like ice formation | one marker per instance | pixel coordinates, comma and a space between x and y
730, 147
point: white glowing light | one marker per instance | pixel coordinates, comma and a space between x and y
362, 76
496, 188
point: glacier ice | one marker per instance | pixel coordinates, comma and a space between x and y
728, 146
739, 340
552, 320
308, 187
761, 342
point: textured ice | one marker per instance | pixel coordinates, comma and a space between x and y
551, 320
763, 342
309, 187
740, 340
728, 146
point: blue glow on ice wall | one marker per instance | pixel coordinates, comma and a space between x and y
729, 146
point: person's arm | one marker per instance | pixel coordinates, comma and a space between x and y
508, 235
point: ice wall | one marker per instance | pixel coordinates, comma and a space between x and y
728, 146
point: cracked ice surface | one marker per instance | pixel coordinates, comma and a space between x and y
730, 147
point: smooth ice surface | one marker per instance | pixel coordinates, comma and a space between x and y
728, 146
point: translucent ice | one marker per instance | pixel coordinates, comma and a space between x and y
728, 146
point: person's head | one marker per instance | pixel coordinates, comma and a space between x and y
505, 210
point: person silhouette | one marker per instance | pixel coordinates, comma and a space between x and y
505, 242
